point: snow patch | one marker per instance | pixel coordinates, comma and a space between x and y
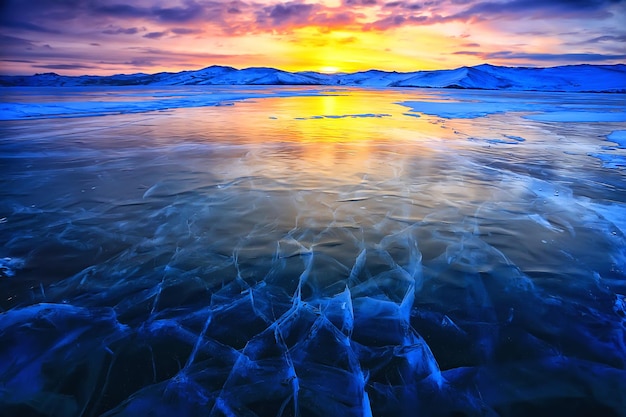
578, 116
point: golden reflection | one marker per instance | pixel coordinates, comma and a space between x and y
353, 116
338, 136
328, 105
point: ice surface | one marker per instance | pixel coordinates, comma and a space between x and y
455, 110
611, 161
616, 159
555, 108
579, 116
618, 137
135, 100
9, 266
213, 261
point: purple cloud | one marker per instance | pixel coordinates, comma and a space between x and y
120, 10
290, 13
396, 21
470, 53
192, 11
20, 61
404, 5
155, 35
66, 66
7, 41
239, 17
121, 31
20, 25
293, 15
185, 31
359, 3
603, 38
141, 62
537, 9
568, 57
544, 57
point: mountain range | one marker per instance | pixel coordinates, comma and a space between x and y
571, 78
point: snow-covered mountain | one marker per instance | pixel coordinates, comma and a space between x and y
575, 78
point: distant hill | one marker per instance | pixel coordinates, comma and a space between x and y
572, 78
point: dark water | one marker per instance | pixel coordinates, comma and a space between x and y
261, 260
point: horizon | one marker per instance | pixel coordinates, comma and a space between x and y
76, 37
60, 74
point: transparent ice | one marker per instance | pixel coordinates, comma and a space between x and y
313, 253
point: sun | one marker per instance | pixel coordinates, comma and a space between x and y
329, 69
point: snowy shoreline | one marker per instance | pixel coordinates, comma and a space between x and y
571, 78
23, 103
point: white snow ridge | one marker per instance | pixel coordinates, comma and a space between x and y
571, 78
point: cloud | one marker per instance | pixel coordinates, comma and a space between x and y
600, 39
21, 61
141, 62
347, 40
543, 57
192, 11
13, 42
65, 66
185, 31
404, 5
359, 3
470, 53
568, 57
285, 17
396, 14
121, 31
155, 35
28, 26
166, 56
53, 16
396, 21
120, 10
290, 14
238, 17
537, 9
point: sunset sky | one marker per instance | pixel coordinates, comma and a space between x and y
113, 36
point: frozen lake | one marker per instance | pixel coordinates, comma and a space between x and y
312, 252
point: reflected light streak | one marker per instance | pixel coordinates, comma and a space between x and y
335, 136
